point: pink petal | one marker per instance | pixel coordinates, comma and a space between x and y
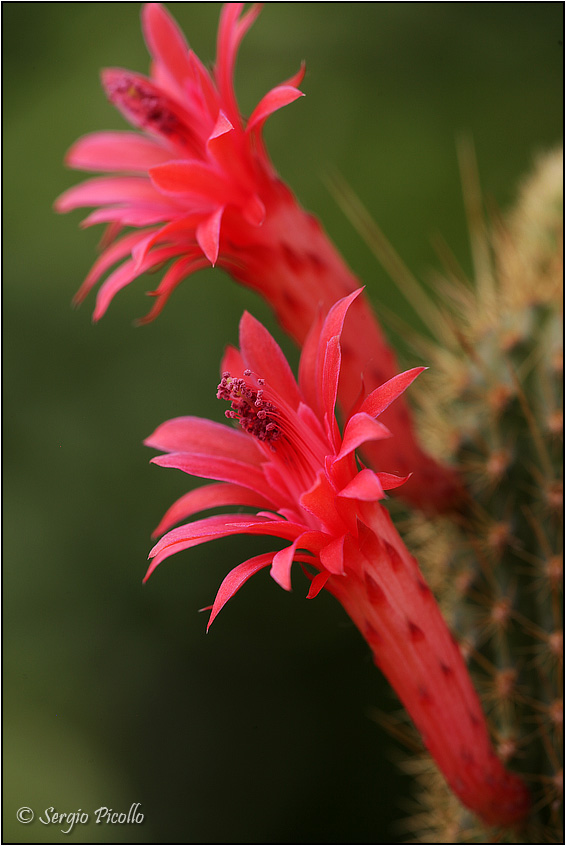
264, 357
181, 229
208, 235
359, 429
307, 363
109, 189
309, 419
366, 485
295, 80
317, 585
191, 177
202, 78
275, 99
390, 480
382, 397
232, 362
199, 435
282, 560
221, 525
116, 151
221, 127
125, 274
235, 579
199, 532
253, 211
208, 496
174, 276
220, 468
116, 251
330, 376
157, 213
332, 328
281, 566
332, 556
320, 500
335, 320
166, 42
230, 33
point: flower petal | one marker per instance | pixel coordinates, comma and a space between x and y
116, 251
308, 360
120, 216
390, 480
332, 556
174, 276
281, 566
263, 355
178, 229
330, 376
232, 362
221, 127
126, 273
120, 151
192, 177
332, 328
196, 434
359, 429
295, 80
320, 500
379, 399
217, 467
235, 579
208, 235
282, 560
275, 99
220, 525
208, 94
209, 496
166, 42
335, 320
253, 211
230, 33
317, 584
102, 190
366, 485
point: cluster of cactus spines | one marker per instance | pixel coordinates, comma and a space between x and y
492, 406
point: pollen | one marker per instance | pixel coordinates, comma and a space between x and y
248, 407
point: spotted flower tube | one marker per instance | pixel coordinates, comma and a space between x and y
290, 459
196, 187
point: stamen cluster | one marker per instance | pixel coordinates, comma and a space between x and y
248, 406
146, 106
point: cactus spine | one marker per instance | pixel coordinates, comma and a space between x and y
491, 405
494, 408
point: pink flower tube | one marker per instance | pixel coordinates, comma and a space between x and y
291, 461
196, 187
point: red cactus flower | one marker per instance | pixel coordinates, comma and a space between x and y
198, 187
291, 461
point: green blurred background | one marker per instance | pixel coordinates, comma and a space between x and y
261, 731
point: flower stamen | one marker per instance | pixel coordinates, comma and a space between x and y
147, 107
249, 408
